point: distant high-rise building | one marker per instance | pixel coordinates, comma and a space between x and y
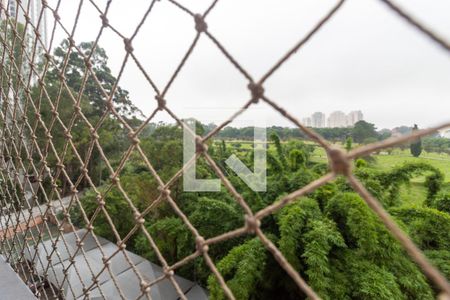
32, 16
337, 119
32, 9
354, 117
318, 119
307, 122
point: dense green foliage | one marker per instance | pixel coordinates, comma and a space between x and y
330, 237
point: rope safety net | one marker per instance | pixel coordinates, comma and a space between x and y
27, 143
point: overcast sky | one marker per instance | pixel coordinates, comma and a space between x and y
365, 58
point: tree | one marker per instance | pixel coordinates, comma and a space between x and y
117, 208
348, 143
276, 140
93, 103
416, 146
245, 266
363, 130
93, 90
297, 159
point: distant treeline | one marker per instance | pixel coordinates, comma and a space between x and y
436, 144
362, 132
285, 133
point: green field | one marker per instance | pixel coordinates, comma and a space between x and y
398, 157
414, 193
440, 161
384, 160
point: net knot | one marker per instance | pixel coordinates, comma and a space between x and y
106, 260
71, 42
114, 179
128, 47
201, 245
41, 82
165, 192
105, 21
133, 138
100, 201
168, 272
161, 102
338, 161
73, 189
200, 24
76, 109
85, 171
54, 112
67, 134
252, 223
87, 63
56, 16
94, 134
61, 76
110, 105
145, 286
256, 90
139, 219
199, 146
31, 65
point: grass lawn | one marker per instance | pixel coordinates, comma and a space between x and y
415, 193
398, 157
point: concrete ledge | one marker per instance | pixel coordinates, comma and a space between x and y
11, 285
